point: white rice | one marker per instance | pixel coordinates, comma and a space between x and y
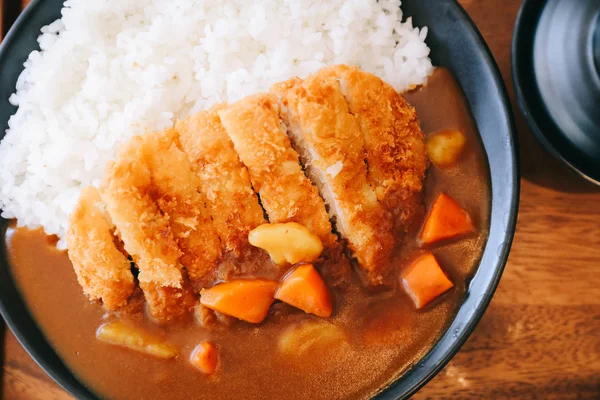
110, 69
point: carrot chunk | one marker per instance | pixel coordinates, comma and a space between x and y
447, 219
248, 300
205, 357
424, 280
304, 288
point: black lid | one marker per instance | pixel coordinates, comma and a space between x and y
556, 72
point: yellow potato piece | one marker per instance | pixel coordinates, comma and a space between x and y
311, 337
121, 334
287, 243
444, 148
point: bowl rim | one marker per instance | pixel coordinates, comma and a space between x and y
457, 333
448, 344
48, 362
528, 97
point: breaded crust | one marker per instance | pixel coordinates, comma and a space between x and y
394, 142
102, 270
255, 128
168, 303
332, 149
128, 193
225, 180
176, 190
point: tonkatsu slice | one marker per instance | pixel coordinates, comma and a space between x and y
102, 270
168, 303
128, 191
177, 191
331, 145
130, 194
233, 205
393, 141
287, 195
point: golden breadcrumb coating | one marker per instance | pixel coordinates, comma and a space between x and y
168, 303
255, 128
102, 270
128, 193
225, 181
181, 202
154, 199
332, 149
176, 190
394, 142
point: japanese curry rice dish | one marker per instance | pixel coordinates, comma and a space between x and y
241, 199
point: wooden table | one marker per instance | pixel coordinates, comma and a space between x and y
540, 337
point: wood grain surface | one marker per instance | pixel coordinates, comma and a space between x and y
540, 337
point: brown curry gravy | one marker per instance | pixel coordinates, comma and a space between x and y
385, 332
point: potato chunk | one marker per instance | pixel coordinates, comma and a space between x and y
310, 338
288, 243
444, 148
122, 334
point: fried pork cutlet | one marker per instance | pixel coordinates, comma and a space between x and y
176, 190
168, 303
128, 192
331, 145
233, 205
225, 181
394, 142
255, 128
102, 270
146, 233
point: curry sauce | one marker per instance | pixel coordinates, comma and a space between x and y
384, 334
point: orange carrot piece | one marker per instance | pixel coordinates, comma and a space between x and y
424, 280
248, 300
205, 357
447, 219
304, 288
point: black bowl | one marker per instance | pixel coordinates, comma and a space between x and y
556, 75
457, 45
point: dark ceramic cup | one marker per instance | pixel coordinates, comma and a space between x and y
556, 72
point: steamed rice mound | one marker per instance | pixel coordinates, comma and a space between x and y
115, 68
